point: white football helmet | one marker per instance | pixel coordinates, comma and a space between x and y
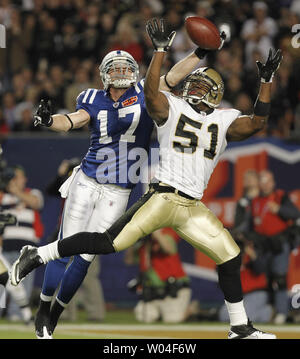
118, 69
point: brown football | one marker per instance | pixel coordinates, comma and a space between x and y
203, 32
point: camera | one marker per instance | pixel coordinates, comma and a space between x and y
7, 173
7, 219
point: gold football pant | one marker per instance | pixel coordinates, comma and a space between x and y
3, 267
190, 218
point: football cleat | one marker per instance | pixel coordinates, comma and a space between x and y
42, 326
247, 331
27, 261
43, 333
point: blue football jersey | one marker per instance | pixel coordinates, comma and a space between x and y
120, 135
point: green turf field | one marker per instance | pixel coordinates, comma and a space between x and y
121, 324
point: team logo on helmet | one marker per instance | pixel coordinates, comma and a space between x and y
203, 85
118, 69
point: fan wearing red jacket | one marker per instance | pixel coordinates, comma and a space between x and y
254, 284
164, 285
272, 215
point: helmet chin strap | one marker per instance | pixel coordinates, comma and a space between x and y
194, 104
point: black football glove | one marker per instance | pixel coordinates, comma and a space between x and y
266, 71
201, 53
160, 40
43, 114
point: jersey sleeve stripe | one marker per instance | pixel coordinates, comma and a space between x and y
86, 95
93, 96
137, 89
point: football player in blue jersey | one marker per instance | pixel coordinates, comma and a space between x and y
98, 190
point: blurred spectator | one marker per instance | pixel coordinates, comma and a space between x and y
233, 88
182, 45
253, 270
6, 9
272, 214
204, 9
258, 32
26, 123
56, 37
18, 85
19, 40
70, 41
81, 82
45, 40
9, 109
4, 129
243, 207
126, 39
59, 83
17, 293
295, 7
25, 204
254, 283
162, 284
243, 103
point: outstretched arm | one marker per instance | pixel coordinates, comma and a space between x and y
185, 66
58, 122
178, 72
246, 126
156, 102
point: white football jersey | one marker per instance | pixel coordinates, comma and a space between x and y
190, 145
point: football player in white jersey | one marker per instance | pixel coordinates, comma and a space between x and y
192, 134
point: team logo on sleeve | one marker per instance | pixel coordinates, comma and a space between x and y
130, 101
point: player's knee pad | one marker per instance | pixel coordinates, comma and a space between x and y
279, 282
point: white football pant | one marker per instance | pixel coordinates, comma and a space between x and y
90, 206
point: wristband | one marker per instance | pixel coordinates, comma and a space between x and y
200, 53
264, 81
71, 122
261, 108
160, 49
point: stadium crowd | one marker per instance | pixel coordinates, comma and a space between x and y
54, 47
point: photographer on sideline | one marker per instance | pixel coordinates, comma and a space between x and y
162, 285
273, 219
18, 293
24, 203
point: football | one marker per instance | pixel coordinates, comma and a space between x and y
203, 32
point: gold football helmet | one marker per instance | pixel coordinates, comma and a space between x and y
203, 85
